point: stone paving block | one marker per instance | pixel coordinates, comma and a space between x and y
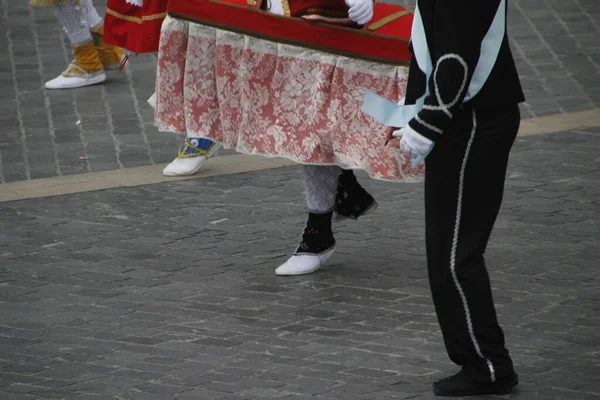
104, 293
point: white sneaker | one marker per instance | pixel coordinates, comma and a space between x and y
184, 166
300, 264
74, 77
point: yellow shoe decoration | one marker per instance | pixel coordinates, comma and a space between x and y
113, 58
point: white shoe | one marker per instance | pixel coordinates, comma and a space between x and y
189, 165
300, 264
75, 77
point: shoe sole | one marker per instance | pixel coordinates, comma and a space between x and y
198, 168
211, 153
499, 391
90, 82
327, 255
339, 217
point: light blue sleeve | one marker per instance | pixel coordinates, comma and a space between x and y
391, 114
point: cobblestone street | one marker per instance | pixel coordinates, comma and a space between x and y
46, 133
167, 291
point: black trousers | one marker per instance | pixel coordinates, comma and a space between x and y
464, 185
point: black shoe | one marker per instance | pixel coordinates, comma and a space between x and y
461, 385
352, 200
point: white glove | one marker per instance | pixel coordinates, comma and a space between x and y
361, 11
137, 3
412, 143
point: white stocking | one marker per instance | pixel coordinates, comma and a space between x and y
77, 20
320, 186
94, 20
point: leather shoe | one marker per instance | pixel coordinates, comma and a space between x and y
462, 385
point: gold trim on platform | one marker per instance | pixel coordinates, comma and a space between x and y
135, 19
257, 4
50, 3
325, 12
392, 17
299, 43
285, 4
294, 42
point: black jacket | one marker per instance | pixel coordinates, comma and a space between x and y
455, 29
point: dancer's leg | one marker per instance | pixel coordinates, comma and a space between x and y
93, 19
352, 200
86, 68
320, 186
112, 57
318, 243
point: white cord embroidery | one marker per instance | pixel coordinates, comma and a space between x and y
428, 125
445, 107
453, 252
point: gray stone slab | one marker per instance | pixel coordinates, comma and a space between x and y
134, 293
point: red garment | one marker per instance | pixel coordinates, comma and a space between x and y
133, 28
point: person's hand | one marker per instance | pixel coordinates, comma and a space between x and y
361, 11
412, 143
389, 131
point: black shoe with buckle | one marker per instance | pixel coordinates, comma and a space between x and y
462, 385
352, 200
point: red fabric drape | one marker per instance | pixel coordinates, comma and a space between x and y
136, 29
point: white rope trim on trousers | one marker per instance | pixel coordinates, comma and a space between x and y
455, 245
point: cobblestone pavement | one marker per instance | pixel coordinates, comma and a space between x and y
168, 291
47, 133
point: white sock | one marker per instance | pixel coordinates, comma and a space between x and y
77, 20
320, 186
94, 20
